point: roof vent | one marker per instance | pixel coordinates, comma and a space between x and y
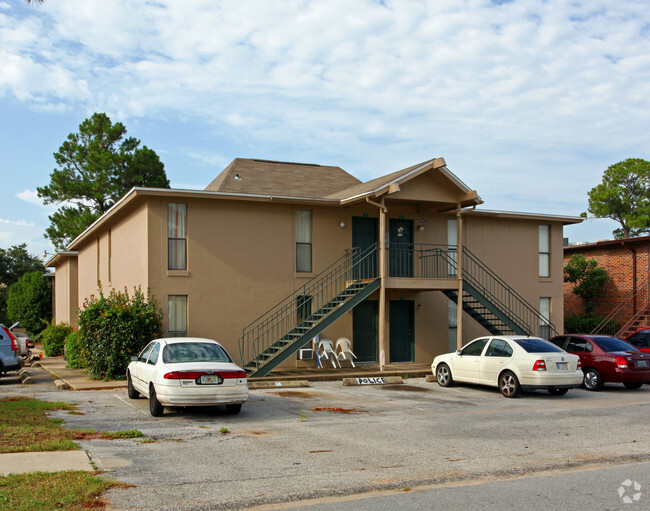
238, 177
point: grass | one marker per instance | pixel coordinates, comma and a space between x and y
224, 430
26, 427
38, 491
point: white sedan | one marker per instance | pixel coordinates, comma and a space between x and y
512, 363
186, 371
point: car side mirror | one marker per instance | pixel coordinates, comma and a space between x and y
458, 353
134, 358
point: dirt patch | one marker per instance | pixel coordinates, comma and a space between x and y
338, 410
409, 388
253, 432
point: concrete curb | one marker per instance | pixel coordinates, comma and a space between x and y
373, 380
288, 384
53, 461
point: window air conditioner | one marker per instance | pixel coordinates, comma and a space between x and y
306, 354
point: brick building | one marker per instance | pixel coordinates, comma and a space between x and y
625, 294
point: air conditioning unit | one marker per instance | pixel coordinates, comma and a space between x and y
306, 354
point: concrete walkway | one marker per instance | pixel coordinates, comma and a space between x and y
51, 461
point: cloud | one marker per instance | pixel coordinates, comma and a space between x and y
30, 196
19, 223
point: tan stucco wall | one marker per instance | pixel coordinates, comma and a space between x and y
66, 292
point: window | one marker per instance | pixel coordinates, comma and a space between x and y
533, 345
452, 242
499, 348
475, 348
303, 241
144, 354
177, 236
177, 315
544, 250
153, 358
544, 317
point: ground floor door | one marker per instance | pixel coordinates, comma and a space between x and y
402, 330
365, 330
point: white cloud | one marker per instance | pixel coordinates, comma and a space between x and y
30, 196
18, 223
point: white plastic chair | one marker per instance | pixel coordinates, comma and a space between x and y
326, 351
343, 349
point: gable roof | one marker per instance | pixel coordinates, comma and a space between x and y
278, 178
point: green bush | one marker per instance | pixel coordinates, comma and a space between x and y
53, 338
576, 324
74, 350
30, 302
114, 327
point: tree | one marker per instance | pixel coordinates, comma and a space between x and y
14, 263
96, 167
587, 277
30, 302
624, 196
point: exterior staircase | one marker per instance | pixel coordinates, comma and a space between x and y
296, 320
612, 324
494, 304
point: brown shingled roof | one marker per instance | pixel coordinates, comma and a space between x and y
276, 178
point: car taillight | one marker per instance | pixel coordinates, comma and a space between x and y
193, 375
621, 362
540, 365
579, 364
14, 341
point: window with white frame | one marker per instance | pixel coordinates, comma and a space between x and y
177, 236
303, 241
545, 317
452, 322
452, 247
544, 250
177, 315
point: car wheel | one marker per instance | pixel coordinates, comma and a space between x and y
592, 380
633, 385
554, 391
233, 408
509, 385
133, 394
443, 376
155, 408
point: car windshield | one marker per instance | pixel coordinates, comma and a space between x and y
610, 344
534, 345
194, 352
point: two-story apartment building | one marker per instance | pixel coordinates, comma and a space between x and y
271, 254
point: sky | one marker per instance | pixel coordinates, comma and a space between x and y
528, 101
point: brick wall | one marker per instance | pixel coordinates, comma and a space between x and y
617, 258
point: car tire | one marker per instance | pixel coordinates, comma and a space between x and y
593, 380
133, 394
233, 409
509, 384
155, 408
554, 391
443, 376
633, 385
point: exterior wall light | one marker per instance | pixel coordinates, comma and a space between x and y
342, 224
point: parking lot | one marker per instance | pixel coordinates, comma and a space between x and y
326, 440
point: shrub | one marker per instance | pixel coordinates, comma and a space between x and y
30, 302
53, 338
576, 324
114, 327
74, 350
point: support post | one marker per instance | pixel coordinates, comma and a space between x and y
382, 288
459, 276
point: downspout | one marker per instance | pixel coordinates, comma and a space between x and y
382, 275
634, 276
459, 276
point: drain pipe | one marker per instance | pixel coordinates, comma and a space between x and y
459, 276
382, 274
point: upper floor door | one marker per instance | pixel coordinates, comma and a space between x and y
401, 247
364, 236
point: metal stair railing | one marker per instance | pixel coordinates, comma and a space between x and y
610, 324
510, 303
305, 306
440, 261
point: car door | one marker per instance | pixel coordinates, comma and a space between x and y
466, 367
148, 367
136, 369
497, 355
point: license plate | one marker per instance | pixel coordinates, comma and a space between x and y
211, 379
642, 363
562, 366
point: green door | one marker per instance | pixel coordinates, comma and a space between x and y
365, 323
401, 247
402, 331
364, 236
